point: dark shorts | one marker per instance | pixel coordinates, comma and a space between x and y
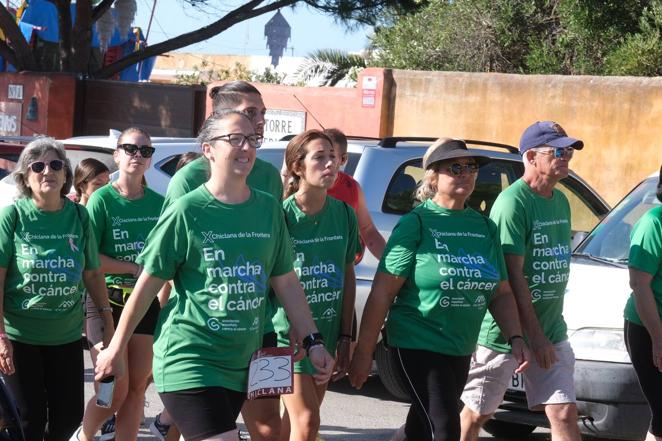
204, 412
94, 321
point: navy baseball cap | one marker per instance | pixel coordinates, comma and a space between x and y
547, 133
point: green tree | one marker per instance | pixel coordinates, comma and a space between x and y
524, 36
328, 67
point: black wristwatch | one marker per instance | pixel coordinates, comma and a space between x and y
314, 339
513, 337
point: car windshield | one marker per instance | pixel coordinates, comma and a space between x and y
610, 240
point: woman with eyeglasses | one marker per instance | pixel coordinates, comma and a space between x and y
442, 269
122, 214
47, 253
223, 245
324, 233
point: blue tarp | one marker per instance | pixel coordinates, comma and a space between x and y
43, 13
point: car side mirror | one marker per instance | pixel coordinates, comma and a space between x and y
577, 238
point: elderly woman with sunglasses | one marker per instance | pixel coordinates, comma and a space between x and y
47, 251
442, 269
123, 213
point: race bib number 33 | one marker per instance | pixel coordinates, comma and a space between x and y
270, 373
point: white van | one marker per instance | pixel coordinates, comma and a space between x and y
609, 398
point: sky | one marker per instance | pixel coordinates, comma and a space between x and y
311, 30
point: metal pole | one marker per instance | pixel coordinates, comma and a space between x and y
151, 17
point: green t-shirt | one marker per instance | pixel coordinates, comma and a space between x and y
646, 256
122, 225
263, 176
45, 254
537, 228
220, 258
453, 264
323, 244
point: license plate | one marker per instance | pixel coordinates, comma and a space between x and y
517, 382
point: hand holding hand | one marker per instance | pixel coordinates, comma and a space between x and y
342, 359
322, 361
360, 367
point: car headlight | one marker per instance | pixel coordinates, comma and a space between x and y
599, 344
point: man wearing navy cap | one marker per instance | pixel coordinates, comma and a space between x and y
534, 228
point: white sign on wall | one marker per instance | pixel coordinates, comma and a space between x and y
10, 118
15, 92
279, 123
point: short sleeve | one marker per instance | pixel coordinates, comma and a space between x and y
353, 241
91, 244
511, 224
98, 215
646, 245
283, 257
166, 246
7, 222
400, 253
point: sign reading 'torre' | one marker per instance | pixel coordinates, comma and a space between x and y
279, 123
10, 118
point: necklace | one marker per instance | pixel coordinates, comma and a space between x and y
127, 194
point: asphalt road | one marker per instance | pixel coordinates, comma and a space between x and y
347, 415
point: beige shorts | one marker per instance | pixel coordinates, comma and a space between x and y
490, 375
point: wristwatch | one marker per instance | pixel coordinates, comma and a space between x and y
314, 339
513, 337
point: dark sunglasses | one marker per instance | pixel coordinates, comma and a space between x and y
238, 140
456, 168
558, 152
146, 151
40, 166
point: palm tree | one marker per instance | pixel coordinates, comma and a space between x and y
330, 66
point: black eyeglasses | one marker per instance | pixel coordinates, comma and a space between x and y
40, 166
558, 152
146, 151
457, 168
238, 140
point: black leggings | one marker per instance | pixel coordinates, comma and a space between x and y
435, 382
48, 387
640, 348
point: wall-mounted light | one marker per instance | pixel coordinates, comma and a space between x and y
33, 110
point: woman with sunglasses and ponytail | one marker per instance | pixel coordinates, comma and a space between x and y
441, 271
123, 213
47, 253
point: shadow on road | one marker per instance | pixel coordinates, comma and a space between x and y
372, 388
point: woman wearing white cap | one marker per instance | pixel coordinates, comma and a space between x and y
441, 270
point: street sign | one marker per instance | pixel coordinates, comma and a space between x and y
15, 92
10, 118
279, 123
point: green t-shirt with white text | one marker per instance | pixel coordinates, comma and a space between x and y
263, 176
220, 258
453, 265
324, 244
646, 256
539, 229
121, 226
45, 254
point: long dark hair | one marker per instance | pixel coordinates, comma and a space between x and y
294, 154
86, 170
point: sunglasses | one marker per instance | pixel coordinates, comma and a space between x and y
238, 140
40, 166
146, 151
558, 152
456, 169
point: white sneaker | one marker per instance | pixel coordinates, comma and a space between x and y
76, 435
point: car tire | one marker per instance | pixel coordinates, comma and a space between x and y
389, 373
507, 429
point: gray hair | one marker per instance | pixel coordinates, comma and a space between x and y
33, 151
208, 130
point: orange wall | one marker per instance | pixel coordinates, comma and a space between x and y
56, 95
333, 106
618, 118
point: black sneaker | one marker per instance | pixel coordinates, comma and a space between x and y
108, 430
158, 429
